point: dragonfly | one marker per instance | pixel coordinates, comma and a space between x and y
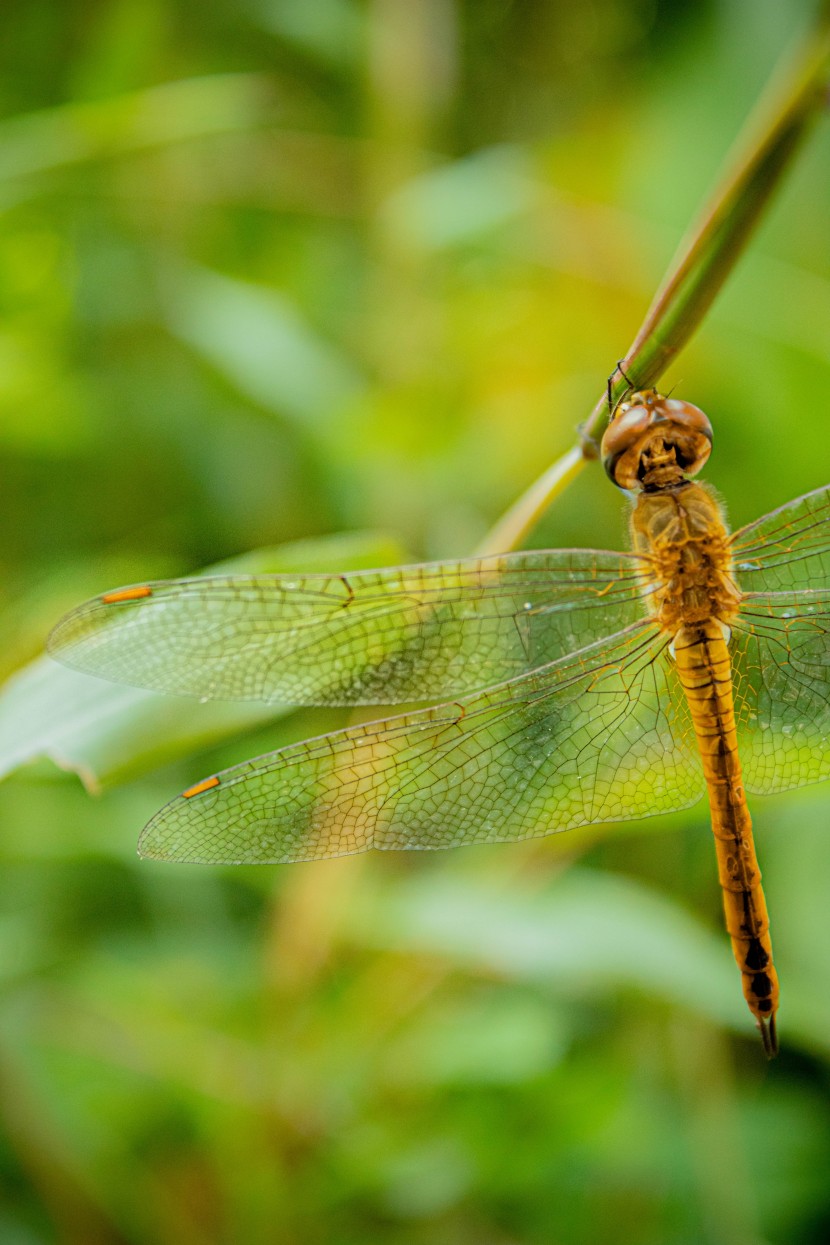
575, 686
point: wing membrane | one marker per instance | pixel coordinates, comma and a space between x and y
788, 549
598, 736
371, 637
781, 645
781, 673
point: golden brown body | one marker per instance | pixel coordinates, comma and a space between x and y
694, 598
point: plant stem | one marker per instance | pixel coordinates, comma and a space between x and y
792, 101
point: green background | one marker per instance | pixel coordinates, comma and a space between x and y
343, 277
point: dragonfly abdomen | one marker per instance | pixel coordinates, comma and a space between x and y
704, 669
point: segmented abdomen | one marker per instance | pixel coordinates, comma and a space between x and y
705, 672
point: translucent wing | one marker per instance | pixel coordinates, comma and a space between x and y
787, 549
597, 736
781, 645
372, 637
781, 674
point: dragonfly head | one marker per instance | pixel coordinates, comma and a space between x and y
654, 442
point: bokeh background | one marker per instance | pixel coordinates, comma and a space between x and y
322, 284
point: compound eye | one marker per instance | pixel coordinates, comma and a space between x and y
691, 434
620, 446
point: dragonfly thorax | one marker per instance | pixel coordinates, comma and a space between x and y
682, 535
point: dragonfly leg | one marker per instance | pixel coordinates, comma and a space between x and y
631, 386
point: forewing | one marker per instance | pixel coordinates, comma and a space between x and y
781, 672
371, 637
598, 736
787, 550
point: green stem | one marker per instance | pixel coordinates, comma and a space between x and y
793, 100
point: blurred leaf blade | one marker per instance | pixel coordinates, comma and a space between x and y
39, 143
259, 342
589, 930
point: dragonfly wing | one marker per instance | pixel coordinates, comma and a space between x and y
781, 670
788, 549
599, 736
371, 637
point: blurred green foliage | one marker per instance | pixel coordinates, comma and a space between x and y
274, 272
